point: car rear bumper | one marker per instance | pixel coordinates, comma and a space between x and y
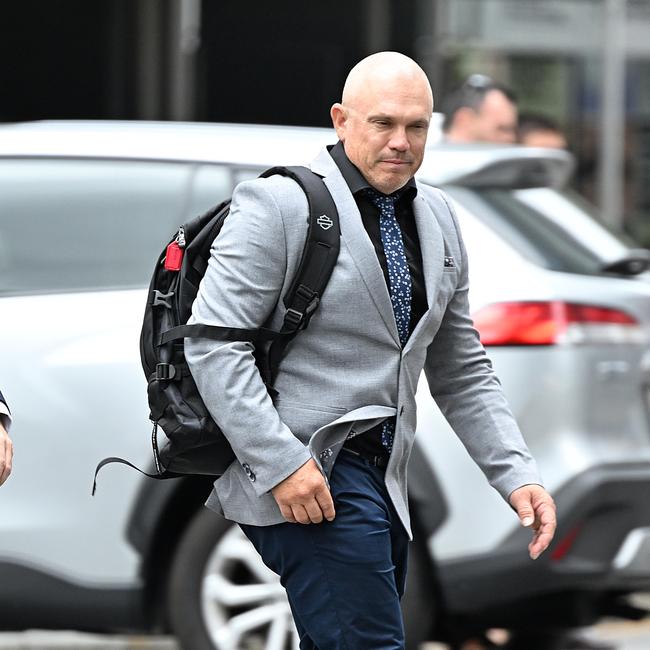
601, 549
31, 598
633, 558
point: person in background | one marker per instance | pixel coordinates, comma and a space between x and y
6, 446
480, 110
537, 130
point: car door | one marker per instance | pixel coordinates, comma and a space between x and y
78, 241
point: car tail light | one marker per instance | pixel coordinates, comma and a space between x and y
564, 544
555, 323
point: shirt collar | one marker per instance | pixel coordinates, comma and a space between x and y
355, 179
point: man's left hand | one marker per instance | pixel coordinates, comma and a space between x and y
536, 509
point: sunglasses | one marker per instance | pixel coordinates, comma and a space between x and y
478, 81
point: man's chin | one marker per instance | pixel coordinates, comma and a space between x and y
389, 183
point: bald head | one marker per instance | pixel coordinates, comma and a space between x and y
383, 118
384, 70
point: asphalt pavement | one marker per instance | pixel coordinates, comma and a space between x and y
623, 635
48, 640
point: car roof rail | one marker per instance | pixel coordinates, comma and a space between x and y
496, 166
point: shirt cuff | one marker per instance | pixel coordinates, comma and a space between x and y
5, 416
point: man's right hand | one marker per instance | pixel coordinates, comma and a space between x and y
304, 497
6, 455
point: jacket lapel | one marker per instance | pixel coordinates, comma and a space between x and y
433, 251
356, 239
432, 245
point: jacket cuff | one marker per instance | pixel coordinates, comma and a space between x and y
264, 479
506, 486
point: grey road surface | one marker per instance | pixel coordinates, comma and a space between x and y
624, 635
46, 640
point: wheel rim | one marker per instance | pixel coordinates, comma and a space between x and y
244, 605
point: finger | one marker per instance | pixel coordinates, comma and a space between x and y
300, 514
526, 513
314, 511
545, 530
324, 499
5, 459
539, 544
545, 518
287, 513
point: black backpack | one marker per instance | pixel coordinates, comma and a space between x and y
195, 444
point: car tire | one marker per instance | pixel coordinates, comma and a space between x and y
221, 596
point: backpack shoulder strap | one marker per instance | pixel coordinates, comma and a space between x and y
318, 259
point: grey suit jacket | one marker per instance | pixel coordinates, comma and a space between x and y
347, 371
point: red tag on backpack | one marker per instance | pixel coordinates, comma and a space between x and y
174, 257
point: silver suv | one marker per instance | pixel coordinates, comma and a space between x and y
564, 312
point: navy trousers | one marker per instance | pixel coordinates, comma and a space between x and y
344, 578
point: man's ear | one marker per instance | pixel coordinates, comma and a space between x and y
339, 116
464, 118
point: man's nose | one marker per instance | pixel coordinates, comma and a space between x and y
399, 140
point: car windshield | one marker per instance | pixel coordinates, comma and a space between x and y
548, 228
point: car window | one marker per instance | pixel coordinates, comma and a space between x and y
575, 214
211, 184
541, 240
69, 225
214, 183
248, 174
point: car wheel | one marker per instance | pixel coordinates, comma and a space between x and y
221, 596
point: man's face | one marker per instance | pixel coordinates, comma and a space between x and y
545, 138
384, 132
496, 119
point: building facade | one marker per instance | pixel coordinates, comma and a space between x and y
584, 63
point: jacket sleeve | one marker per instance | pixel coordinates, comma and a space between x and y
5, 414
466, 389
241, 287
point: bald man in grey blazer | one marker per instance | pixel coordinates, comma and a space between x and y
6, 446
319, 484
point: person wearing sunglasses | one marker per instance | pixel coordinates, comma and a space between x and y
480, 110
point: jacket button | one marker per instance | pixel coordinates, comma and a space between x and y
401, 410
249, 472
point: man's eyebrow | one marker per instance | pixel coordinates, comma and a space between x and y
389, 118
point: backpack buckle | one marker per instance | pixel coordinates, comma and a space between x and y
298, 320
160, 298
293, 318
305, 292
165, 371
